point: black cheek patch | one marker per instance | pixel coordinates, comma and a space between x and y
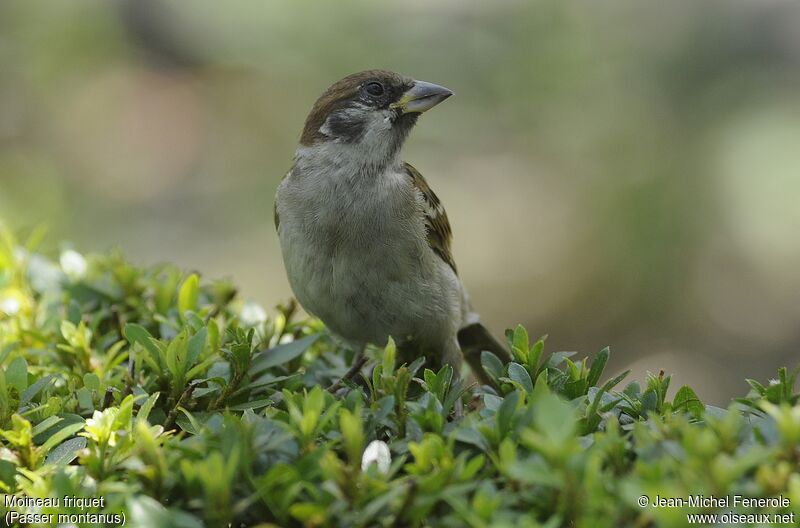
345, 127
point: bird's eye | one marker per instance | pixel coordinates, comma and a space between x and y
374, 88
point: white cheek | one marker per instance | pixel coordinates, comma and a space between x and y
325, 129
374, 146
381, 122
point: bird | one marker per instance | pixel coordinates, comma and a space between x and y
366, 243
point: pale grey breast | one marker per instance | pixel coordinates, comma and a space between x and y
357, 255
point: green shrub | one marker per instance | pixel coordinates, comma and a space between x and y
179, 405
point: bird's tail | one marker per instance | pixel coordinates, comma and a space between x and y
474, 339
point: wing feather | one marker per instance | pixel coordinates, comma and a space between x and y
438, 226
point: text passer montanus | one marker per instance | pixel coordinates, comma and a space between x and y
365, 241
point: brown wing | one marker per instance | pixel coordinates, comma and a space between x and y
439, 232
275, 217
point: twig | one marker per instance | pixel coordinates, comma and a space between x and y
129, 379
358, 362
173, 413
218, 306
108, 399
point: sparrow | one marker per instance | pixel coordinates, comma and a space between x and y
366, 243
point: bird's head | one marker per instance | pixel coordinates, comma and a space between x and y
370, 113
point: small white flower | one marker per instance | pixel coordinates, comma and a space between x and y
20, 254
252, 314
773, 381
377, 452
10, 305
73, 264
44, 275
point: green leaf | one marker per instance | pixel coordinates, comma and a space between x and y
31, 392
254, 404
506, 412
443, 379
147, 407
473, 466
389, 354
633, 389
135, 333
61, 435
196, 345
598, 365
520, 344
649, 401
189, 294
176, 351
281, 354
492, 365
758, 387
45, 424
613, 382
352, 430
146, 511
4, 400
17, 374
774, 393
91, 381
557, 358
517, 372
213, 335
85, 399
415, 366
687, 401
190, 424
65, 452
541, 387
430, 379
535, 355
555, 418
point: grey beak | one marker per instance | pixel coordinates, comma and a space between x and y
422, 96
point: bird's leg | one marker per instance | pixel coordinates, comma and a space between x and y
458, 409
358, 361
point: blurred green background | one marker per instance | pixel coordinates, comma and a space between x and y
622, 173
